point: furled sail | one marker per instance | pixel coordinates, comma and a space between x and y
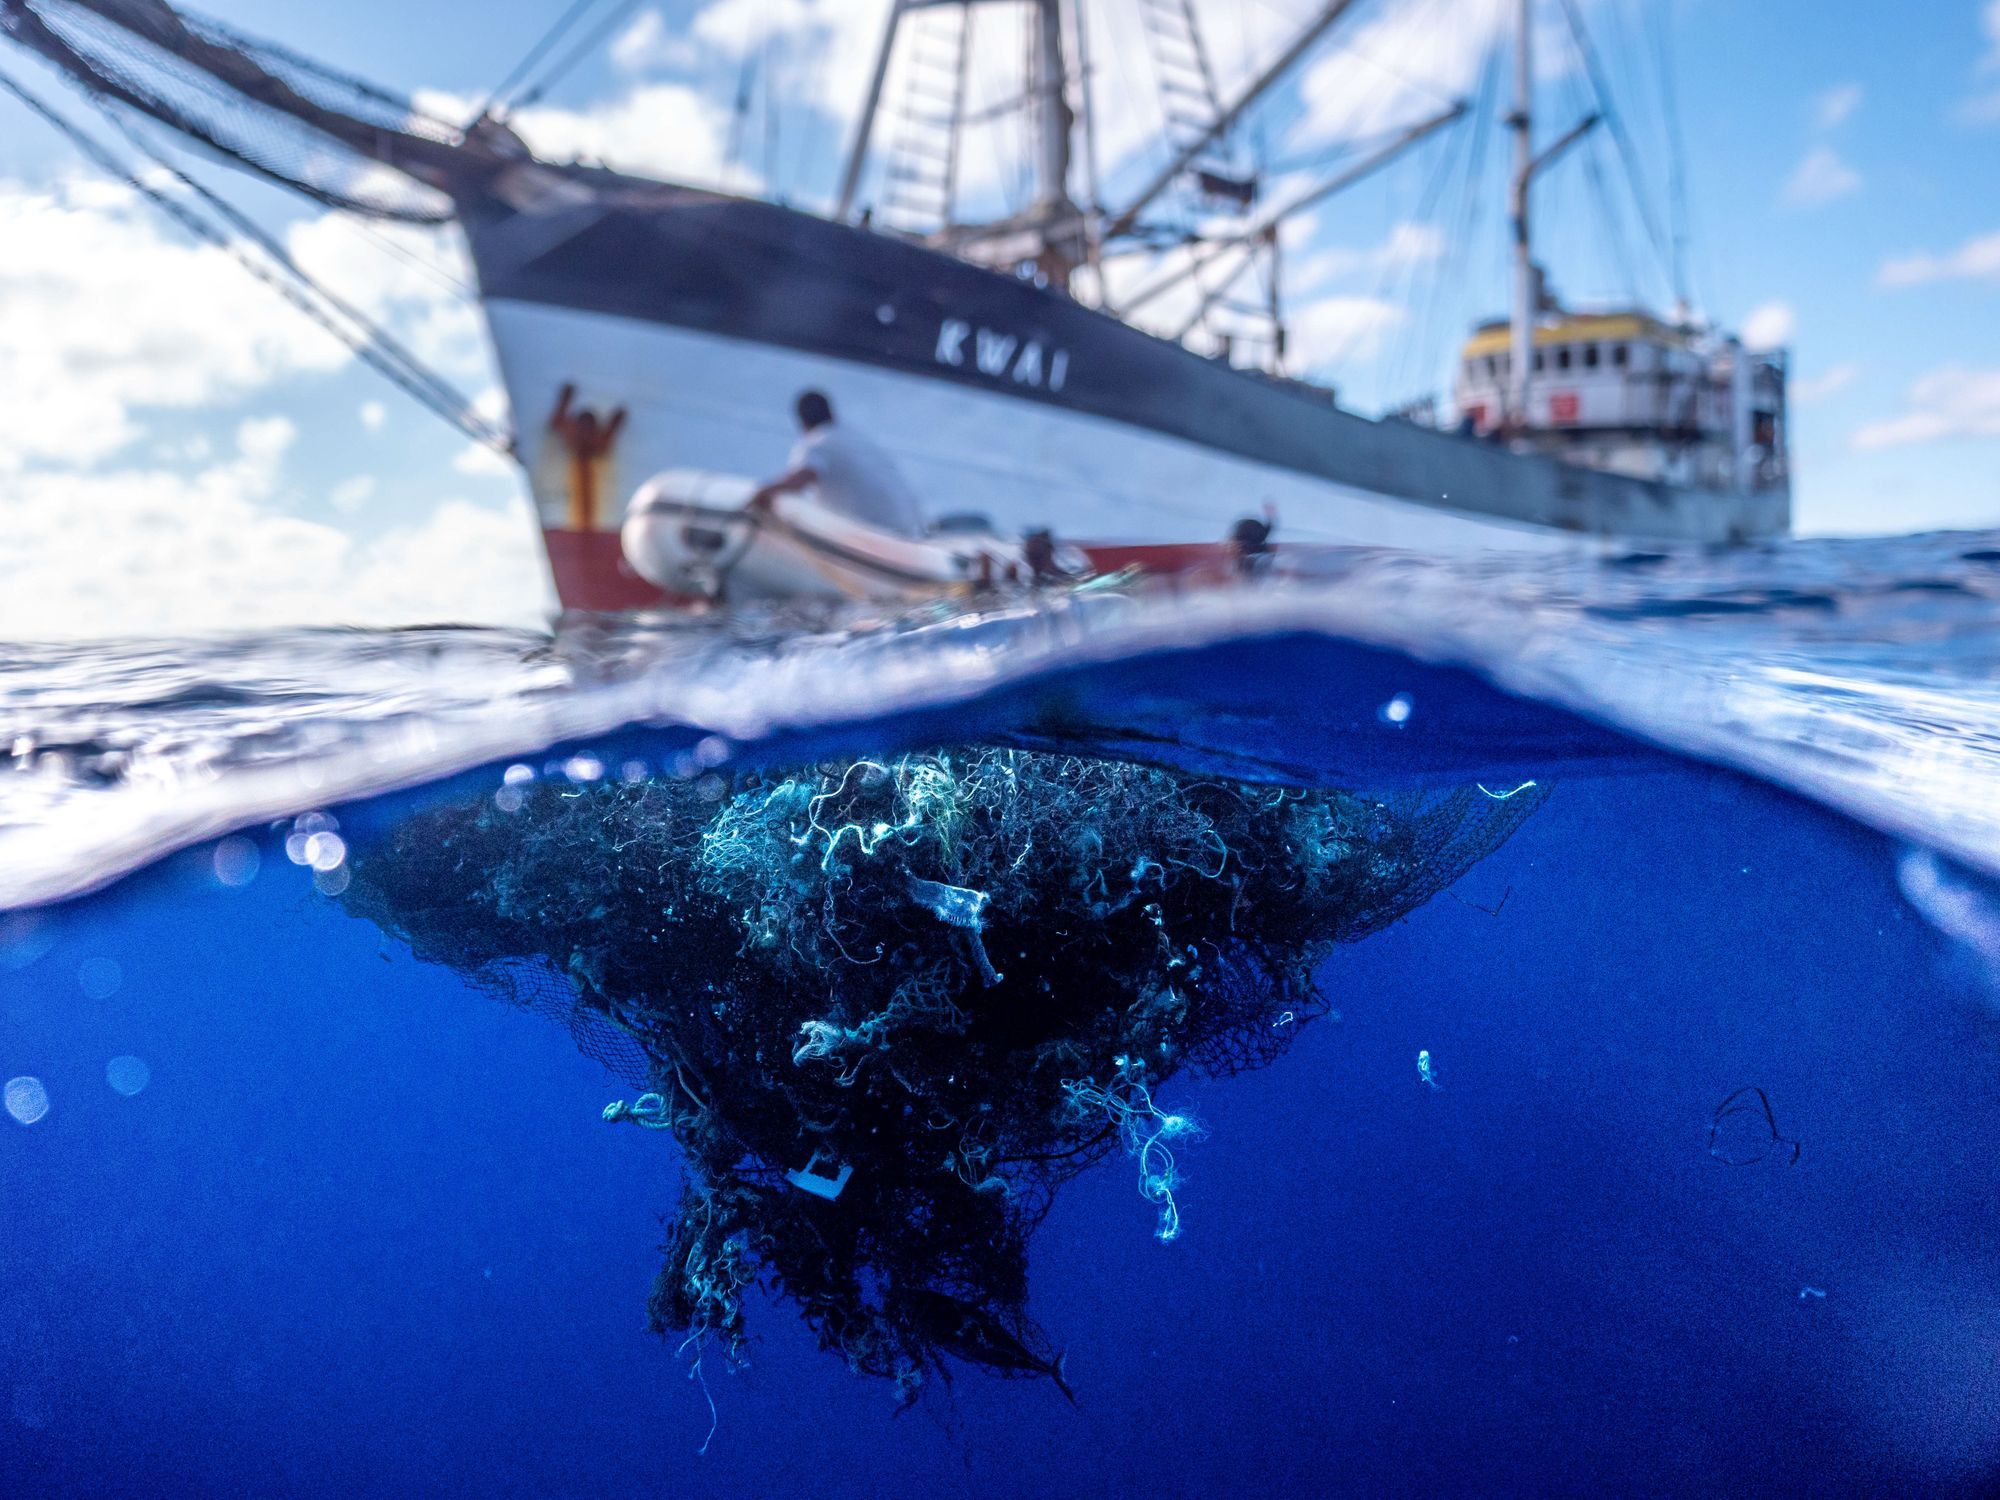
336, 138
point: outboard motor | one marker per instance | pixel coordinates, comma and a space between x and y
685, 529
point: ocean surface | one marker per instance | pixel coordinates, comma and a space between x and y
1653, 1151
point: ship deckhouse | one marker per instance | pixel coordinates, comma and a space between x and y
1628, 393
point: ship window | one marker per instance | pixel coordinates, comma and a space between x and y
1619, 355
1541, 359
1590, 356
1562, 358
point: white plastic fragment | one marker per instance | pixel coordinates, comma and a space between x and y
812, 1178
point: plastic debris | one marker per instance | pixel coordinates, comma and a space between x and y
813, 1178
795, 962
649, 1110
1744, 1131
957, 905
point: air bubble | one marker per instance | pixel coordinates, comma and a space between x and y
325, 851
99, 978
127, 1075
26, 1099
236, 862
24, 937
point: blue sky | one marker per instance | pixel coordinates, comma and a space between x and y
1843, 173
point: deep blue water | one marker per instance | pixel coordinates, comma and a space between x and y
365, 1232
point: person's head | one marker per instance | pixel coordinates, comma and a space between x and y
814, 410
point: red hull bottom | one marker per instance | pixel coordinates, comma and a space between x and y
591, 572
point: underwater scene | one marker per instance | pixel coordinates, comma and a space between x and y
1503, 1027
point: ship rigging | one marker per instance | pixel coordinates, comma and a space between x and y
1080, 353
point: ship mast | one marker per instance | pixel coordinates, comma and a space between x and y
1052, 233
1521, 122
1529, 289
1054, 119
1057, 222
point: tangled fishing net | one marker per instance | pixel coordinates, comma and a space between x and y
886, 1008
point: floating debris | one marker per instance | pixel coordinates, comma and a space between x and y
945, 982
1745, 1131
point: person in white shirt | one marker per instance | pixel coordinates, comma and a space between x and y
850, 474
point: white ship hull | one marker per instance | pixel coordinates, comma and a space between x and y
697, 400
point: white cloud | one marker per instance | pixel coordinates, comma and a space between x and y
1334, 331
201, 549
648, 44
739, 27
659, 129
1833, 107
264, 441
1820, 177
477, 458
1954, 402
1770, 326
1805, 391
1396, 67
351, 494
107, 317
464, 563
404, 277
1984, 109
110, 320
819, 53
1978, 259
1406, 245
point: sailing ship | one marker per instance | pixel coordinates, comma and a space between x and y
643, 325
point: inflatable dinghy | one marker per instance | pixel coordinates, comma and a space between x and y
689, 532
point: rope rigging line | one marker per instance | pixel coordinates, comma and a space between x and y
1425, 206
370, 342
1450, 163
359, 333
1620, 251
1450, 272
1670, 111
576, 55
499, 98
1614, 122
